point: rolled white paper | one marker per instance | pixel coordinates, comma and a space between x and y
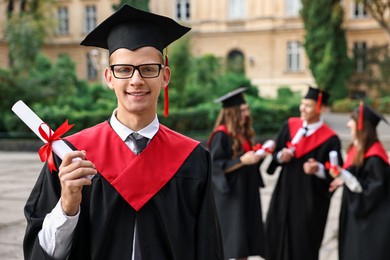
59, 147
333, 158
298, 136
266, 145
28, 116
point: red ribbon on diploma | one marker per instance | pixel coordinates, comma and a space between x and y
45, 152
260, 146
257, 147
335, 168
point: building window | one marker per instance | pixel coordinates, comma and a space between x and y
90, 18
359, 11
293, 7
183, 9
235, 62
360, 56
92, 72
63, 20
237, 9
294, 56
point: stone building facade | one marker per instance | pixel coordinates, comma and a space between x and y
267, 35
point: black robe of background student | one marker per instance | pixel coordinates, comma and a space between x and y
177, 223
237, 197
299, 205
365, 217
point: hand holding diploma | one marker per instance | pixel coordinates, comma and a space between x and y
74, 172
333, 164
298, 136
267, 147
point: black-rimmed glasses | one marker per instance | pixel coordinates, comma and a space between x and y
126, 71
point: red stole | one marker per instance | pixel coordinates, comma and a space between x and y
246, 145
136, 178
308, 143
376, 149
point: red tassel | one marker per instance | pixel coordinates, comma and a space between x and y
319, 102
166, 98
361, 116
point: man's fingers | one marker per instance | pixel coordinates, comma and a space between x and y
72, 155
77, 170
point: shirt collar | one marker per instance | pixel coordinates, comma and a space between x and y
311, 128
123, 131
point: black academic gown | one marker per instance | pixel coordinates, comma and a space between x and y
178, 222
299, 205
237, 198
365, 217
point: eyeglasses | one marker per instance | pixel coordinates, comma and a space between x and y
126, 71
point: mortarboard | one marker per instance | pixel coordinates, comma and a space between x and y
365, 112
231, 99
131, 29
318, 95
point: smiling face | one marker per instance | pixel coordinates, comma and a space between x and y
137, 96
308, 112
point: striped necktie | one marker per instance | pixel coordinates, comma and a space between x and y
139, 142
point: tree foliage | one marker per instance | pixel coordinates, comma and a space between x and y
325, 45
26, 31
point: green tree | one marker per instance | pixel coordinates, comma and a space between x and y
26, 31
139, 4
180, 60
325, 45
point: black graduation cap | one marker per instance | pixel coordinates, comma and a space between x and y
233, 98
131, 28
317, 94
365, 112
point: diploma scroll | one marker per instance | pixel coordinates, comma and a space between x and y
334, 162
59, 147
266, 148
298, 136
333, 159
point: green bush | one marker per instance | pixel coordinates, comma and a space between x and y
345, 105
384, 105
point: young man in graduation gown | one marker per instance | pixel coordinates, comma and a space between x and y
364, 226
121, 200
299, 205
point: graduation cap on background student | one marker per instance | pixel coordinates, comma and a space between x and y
319, 95
233, 98
131, 28
365, 112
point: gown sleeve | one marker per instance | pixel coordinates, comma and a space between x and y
280, 143
43, 198
220, 149
208, 223
374, 178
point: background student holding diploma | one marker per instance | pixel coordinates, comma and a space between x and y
236, 178
364, 231
299, 205
151, 194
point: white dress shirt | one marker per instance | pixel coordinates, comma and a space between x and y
55, 237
